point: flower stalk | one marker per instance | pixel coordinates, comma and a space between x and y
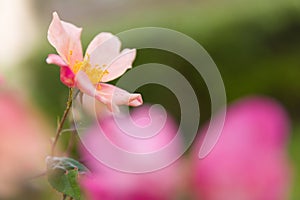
62, 121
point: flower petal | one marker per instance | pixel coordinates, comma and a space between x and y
91, 106
103, 49
84, 84
65, 38
56, 60
113, 96
67, 76
119, 65
108, 94
97, 41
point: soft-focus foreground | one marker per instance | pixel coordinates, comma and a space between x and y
107, 183
23, 143
249, 162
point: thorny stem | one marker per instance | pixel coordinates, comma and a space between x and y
63, 119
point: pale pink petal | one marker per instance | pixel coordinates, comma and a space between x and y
56, 60
91, 106
108, 94
65, 37
84, 84
113, 96
97, 41
105, 52
119, 65
67, 76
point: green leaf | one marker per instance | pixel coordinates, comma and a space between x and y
63, 173
65, 182
65, 164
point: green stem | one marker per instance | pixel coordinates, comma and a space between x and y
62, 121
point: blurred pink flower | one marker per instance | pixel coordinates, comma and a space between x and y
23, 142
249, 162
107, 183
102, 62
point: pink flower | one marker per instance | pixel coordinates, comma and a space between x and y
107, 183
249, 162
102, 62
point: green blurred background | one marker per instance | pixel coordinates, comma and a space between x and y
255, 44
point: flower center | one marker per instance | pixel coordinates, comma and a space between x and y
95, 73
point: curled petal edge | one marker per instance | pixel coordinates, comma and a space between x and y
56, 60
113, 97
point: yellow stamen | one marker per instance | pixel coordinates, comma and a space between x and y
95, 73
98, 87
69, 56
